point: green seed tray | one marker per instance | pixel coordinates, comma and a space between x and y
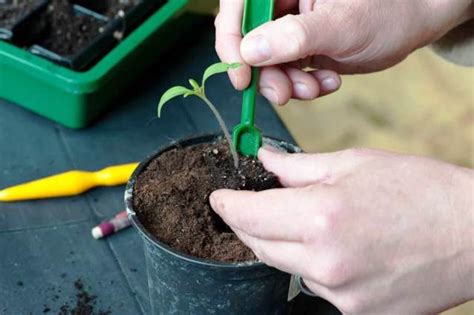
75, 99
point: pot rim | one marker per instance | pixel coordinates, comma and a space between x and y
190, 141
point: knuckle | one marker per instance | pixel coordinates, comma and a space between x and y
221, 48
298, 35
218, 46
333, 208
356, 20
333, 274
329, 222
217, 20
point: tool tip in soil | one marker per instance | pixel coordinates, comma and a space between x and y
247, 139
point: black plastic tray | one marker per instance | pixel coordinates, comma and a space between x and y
88, 54
128, 18
26, 32
6, 33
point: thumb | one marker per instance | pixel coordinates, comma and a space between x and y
303, 169
295, 37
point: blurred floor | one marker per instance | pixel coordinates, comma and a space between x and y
422, 106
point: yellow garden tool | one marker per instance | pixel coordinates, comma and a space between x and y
69, 184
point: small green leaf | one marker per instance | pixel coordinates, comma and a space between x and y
194, 84
172, 93
218, 68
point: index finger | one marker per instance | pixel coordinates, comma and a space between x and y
287, 214
228, 25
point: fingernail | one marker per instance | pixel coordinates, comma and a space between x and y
256, 49
270, 95
235, 78
213, 200
330, 84
302, 91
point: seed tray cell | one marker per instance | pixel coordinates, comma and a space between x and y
75, 33
12, 15
98, 29
126, 12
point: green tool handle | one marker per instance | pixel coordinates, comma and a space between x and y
249, 97
256, 13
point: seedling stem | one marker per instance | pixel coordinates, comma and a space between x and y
200, 92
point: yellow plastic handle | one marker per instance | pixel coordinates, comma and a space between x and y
69, 184
114, 175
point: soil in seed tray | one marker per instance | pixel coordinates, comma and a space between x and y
11, 13
67, 32
171, 198
109, 8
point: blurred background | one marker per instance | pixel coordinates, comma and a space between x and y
423, 106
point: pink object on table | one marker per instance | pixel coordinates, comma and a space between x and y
106, 228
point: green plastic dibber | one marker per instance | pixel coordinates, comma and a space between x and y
246, 137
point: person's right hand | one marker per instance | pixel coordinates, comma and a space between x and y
335, 37
372, 232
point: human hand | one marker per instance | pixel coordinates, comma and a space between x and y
335, 37
370, 231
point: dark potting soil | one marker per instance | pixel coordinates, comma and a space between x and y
171, 198
110, 8
11, 13
66, 32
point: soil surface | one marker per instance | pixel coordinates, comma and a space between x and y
171, 198
11, 13
110, 8
67, 32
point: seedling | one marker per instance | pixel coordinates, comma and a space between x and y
200, 91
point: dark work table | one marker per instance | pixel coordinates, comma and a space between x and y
46, 245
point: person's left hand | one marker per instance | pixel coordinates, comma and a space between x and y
370, 231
